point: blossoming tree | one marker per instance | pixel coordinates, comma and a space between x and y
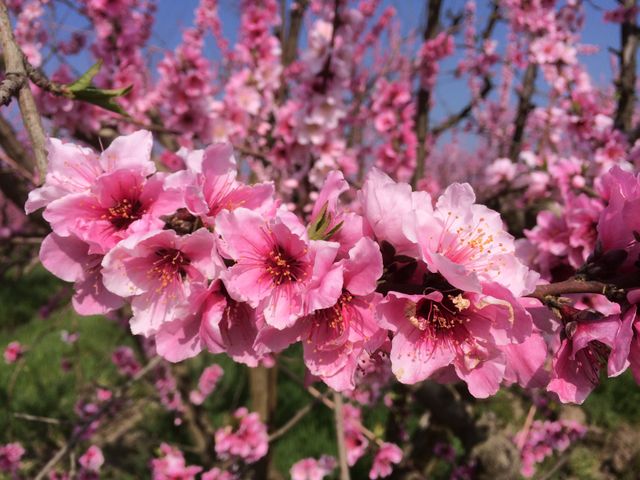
299, 199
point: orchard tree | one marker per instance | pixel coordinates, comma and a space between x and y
298, 198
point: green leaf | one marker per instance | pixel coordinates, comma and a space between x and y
319, 225
83, 90
333, 231
86, 78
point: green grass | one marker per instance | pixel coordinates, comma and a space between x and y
37, 385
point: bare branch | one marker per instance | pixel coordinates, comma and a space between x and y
626, 81
10, 86
342, 447
290, 45
13, 58
434, 8
524, 109
295, 419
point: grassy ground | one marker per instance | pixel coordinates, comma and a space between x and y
39, 386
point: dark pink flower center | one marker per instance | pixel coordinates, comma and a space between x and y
284, 268
592, 359
438, 318
169, 266
124, 213
331, 325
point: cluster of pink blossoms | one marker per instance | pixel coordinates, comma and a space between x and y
10, 455
13, 352
248, 442
544, 439
433, 286
312, 469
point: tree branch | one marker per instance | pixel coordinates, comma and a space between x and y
10, 86
626, 81
295, 419
13, 58
342, 447
434, 8
576, 285
524, 109
290, 45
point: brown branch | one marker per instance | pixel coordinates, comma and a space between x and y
545, 293
455, 118
13, 58
263, 393
342, 447
14, 148
37, 418
434, 8
290, 44
524, 109
487, 85
38, 77
626, 81
295, 419
10, 86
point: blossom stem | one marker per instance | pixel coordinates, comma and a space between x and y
575, 285
342, 447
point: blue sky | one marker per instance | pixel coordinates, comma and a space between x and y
175, 15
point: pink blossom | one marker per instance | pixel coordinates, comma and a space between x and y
582, 354
377, 194
387, 455
13, 352
354, 439
125, 361
69, 259
336, 339
312, 469
214, 187
217, 474
437, 331
206, 384
172, 466
215, 322
74, 169
277, 269
467, 243
545, 438
10, 455
158, 269
502, 170
118, 204
92, 459
249, 441
619, 220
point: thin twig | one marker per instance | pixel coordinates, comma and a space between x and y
526, 427
37, 418
105, 407
295, 419
423, 107
342, 447
559, 464
314, 392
